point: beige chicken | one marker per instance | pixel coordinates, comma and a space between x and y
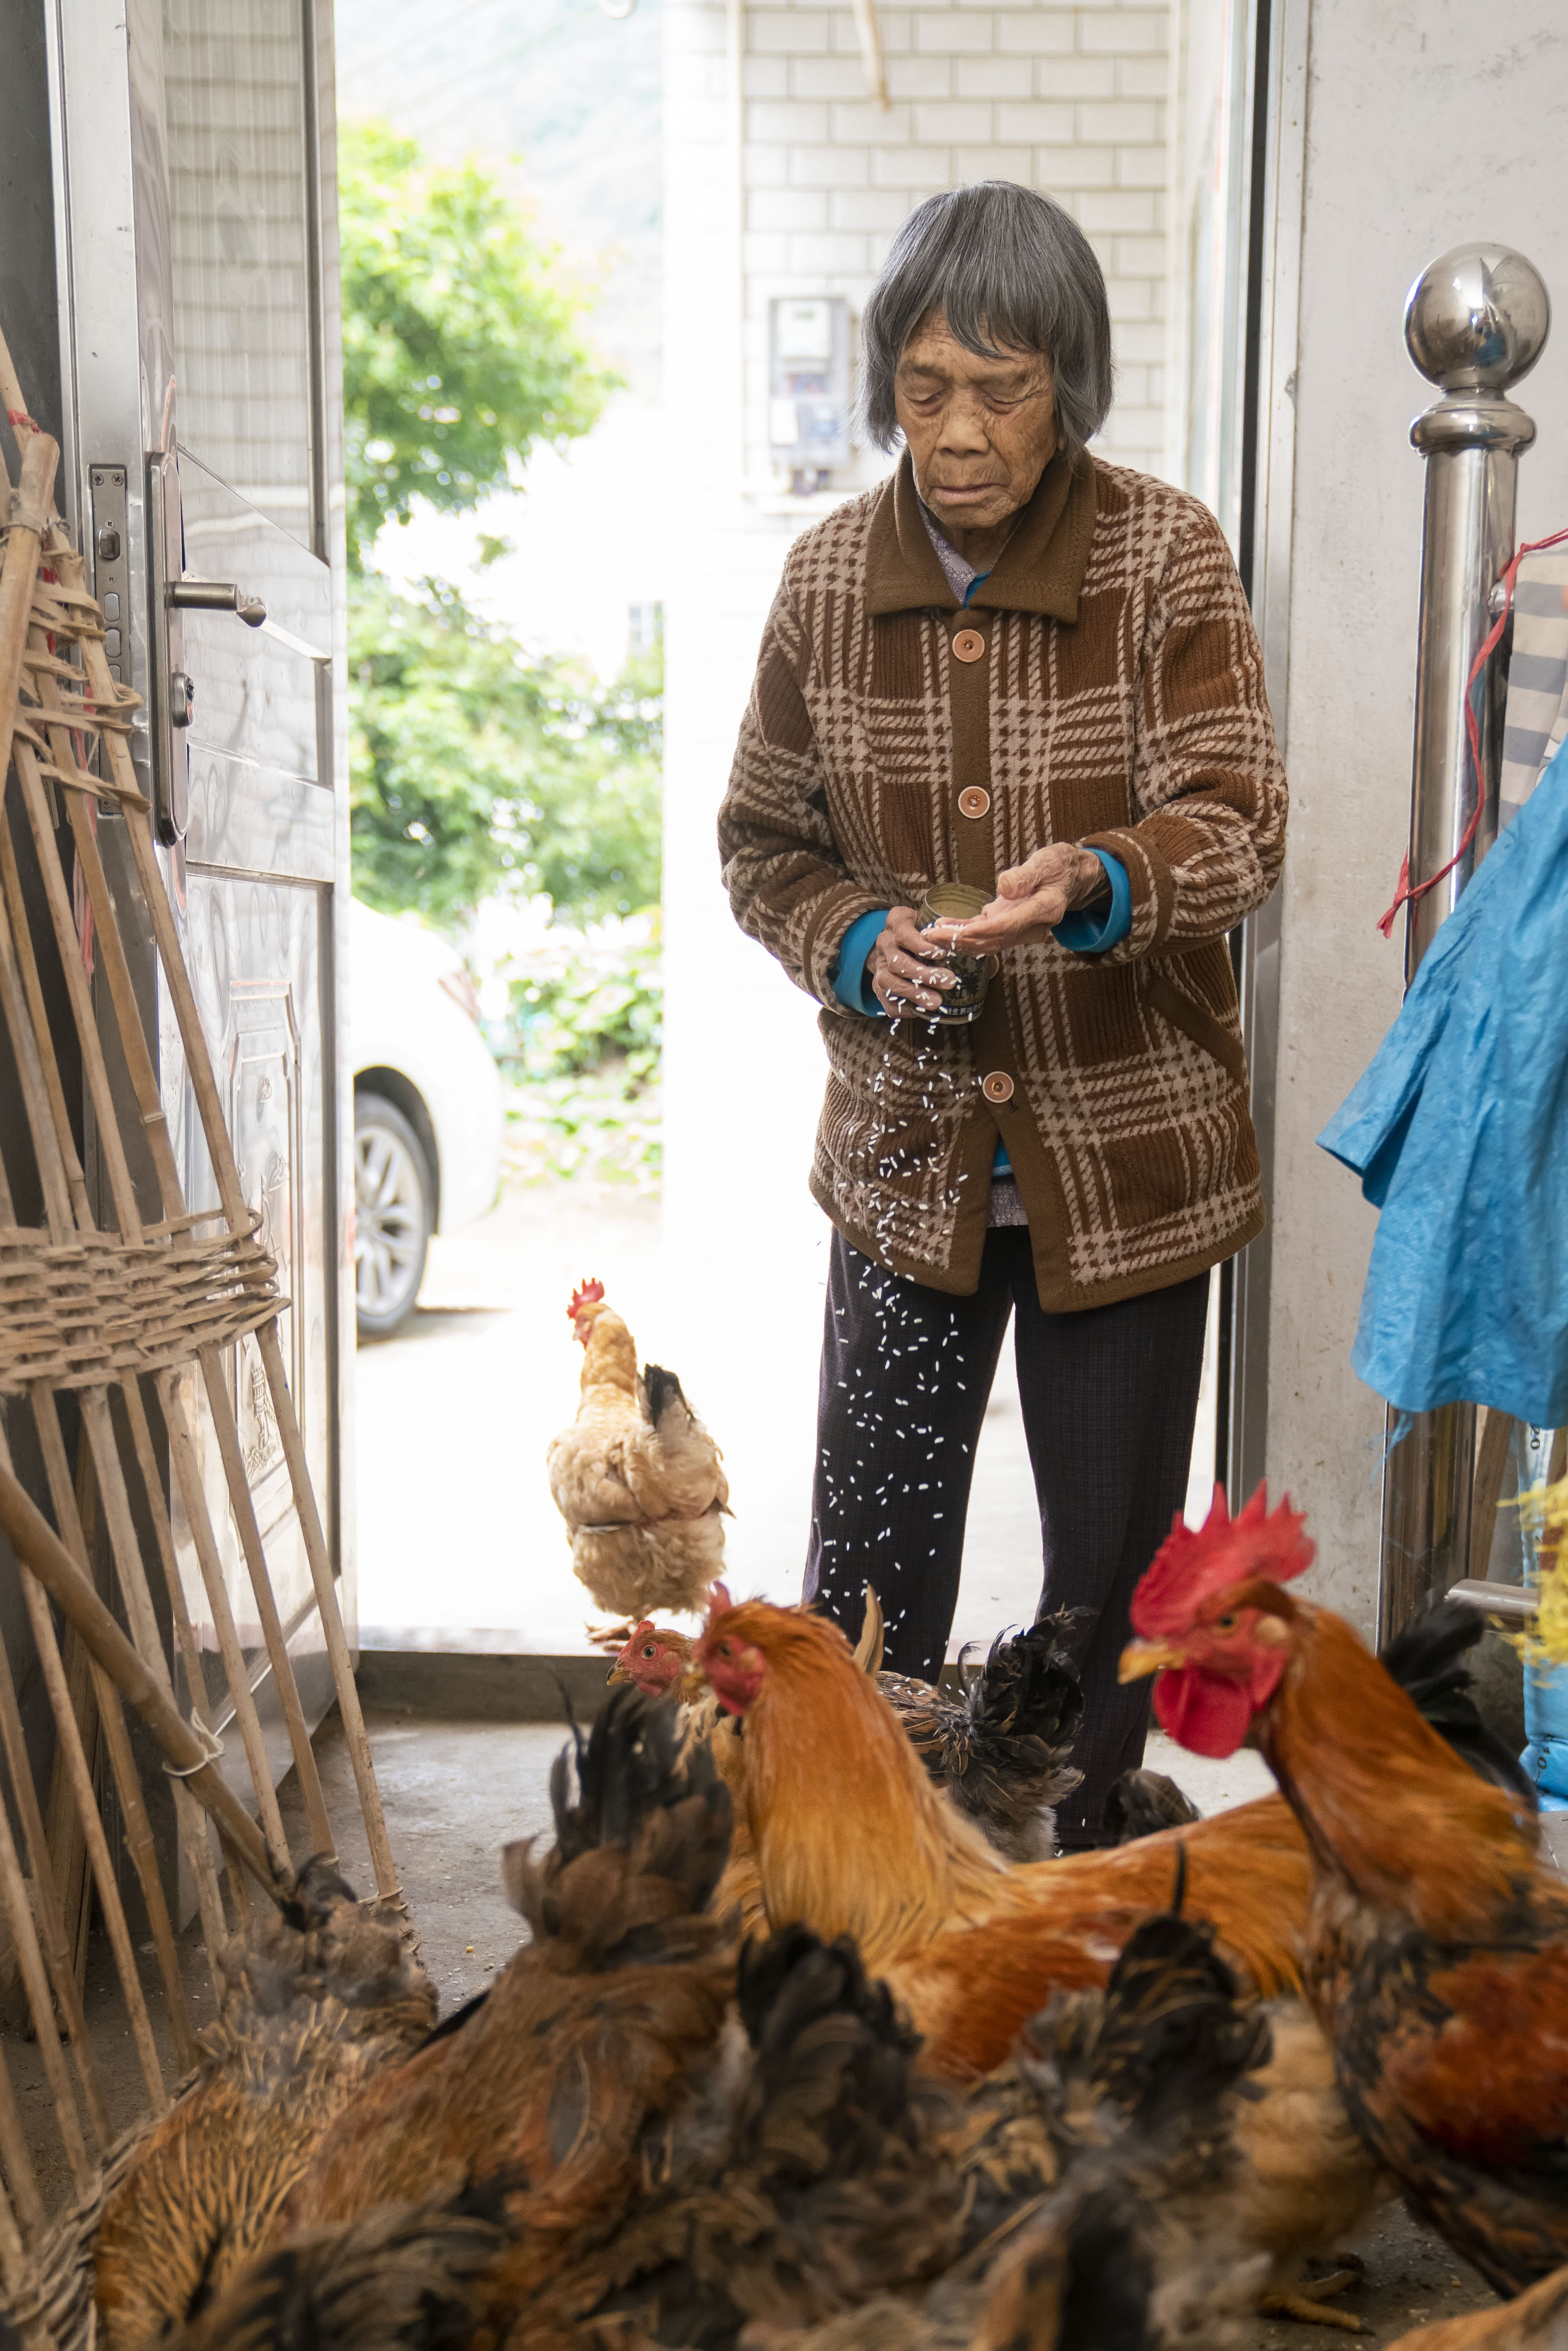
637, 1478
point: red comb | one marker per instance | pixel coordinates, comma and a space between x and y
1189, 1568
719, 1603
587, 1294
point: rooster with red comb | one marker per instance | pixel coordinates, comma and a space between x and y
1437, 1947
637, 1478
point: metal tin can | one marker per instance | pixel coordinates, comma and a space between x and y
955, 902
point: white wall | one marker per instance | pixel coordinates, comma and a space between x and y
1429, 123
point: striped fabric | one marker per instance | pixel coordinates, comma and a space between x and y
1104, 685
1537, 717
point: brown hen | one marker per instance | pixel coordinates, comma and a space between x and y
598, 2027
318, 1999
849, 1837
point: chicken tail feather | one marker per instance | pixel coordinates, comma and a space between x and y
1168, 2035
399, 2278
1141, 1803
633, 1786
663, 1389
1427, 1661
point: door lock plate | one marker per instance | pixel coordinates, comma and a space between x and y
171, 687
111, 584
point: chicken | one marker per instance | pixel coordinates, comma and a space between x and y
595, 2030
1142, 1804
637, 1478
815, 2175
998, 1753
851, 1838
833, 2173
1436, 1951
1536, 2321
403, 2278
657, 1657
1141, 2237
318, 1998
1304, 2181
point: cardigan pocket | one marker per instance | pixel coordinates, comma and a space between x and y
1194, 1021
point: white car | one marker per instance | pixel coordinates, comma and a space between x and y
427, 1109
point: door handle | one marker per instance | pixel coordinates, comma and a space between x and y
215, 596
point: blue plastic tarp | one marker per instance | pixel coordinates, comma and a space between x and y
1458, 1131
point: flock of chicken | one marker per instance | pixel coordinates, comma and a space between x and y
811, 2045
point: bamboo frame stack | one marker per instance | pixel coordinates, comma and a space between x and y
112, 1316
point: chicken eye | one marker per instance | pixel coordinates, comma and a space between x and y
649, 1650
1226, 1623
724, 1649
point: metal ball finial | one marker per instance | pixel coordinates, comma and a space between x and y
1477, 318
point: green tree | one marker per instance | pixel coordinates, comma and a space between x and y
460, 342
474, 769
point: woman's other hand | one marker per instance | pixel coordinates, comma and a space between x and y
1030, 899
904, 975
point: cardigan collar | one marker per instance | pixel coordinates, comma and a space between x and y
1040, 569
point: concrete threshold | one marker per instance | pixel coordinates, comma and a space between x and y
491, 1685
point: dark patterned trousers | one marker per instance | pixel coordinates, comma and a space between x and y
1109, 1397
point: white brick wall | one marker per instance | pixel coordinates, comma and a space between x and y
1069, 99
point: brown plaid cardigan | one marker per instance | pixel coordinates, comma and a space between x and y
1118, 703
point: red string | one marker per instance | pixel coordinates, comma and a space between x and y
1406, 895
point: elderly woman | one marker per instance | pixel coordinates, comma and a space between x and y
1014, 667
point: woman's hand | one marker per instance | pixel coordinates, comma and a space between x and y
1030, 899
901, 965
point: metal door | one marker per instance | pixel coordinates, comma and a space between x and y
194, 178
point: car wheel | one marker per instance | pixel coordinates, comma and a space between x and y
391, 1215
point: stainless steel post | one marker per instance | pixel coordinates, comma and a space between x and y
1476, 321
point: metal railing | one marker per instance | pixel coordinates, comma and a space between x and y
1476, 321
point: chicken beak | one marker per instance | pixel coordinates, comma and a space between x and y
1141, 1658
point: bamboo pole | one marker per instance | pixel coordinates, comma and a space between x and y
30, 505
30, 1958
29, 2324
100, 1859
48, 1914
139, 1838
29, 1070
16, 2156
127, 1551
95, 1069
354, 1731
28, 964
244, 1507
188, 1475
37, 1544
157, 1509
152, 1485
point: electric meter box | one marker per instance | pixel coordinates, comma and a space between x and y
808, 382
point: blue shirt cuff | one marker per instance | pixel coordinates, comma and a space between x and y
1086, 933
850, 985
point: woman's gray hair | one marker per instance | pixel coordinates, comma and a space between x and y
1008, 269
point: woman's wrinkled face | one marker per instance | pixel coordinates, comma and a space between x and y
980, 431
